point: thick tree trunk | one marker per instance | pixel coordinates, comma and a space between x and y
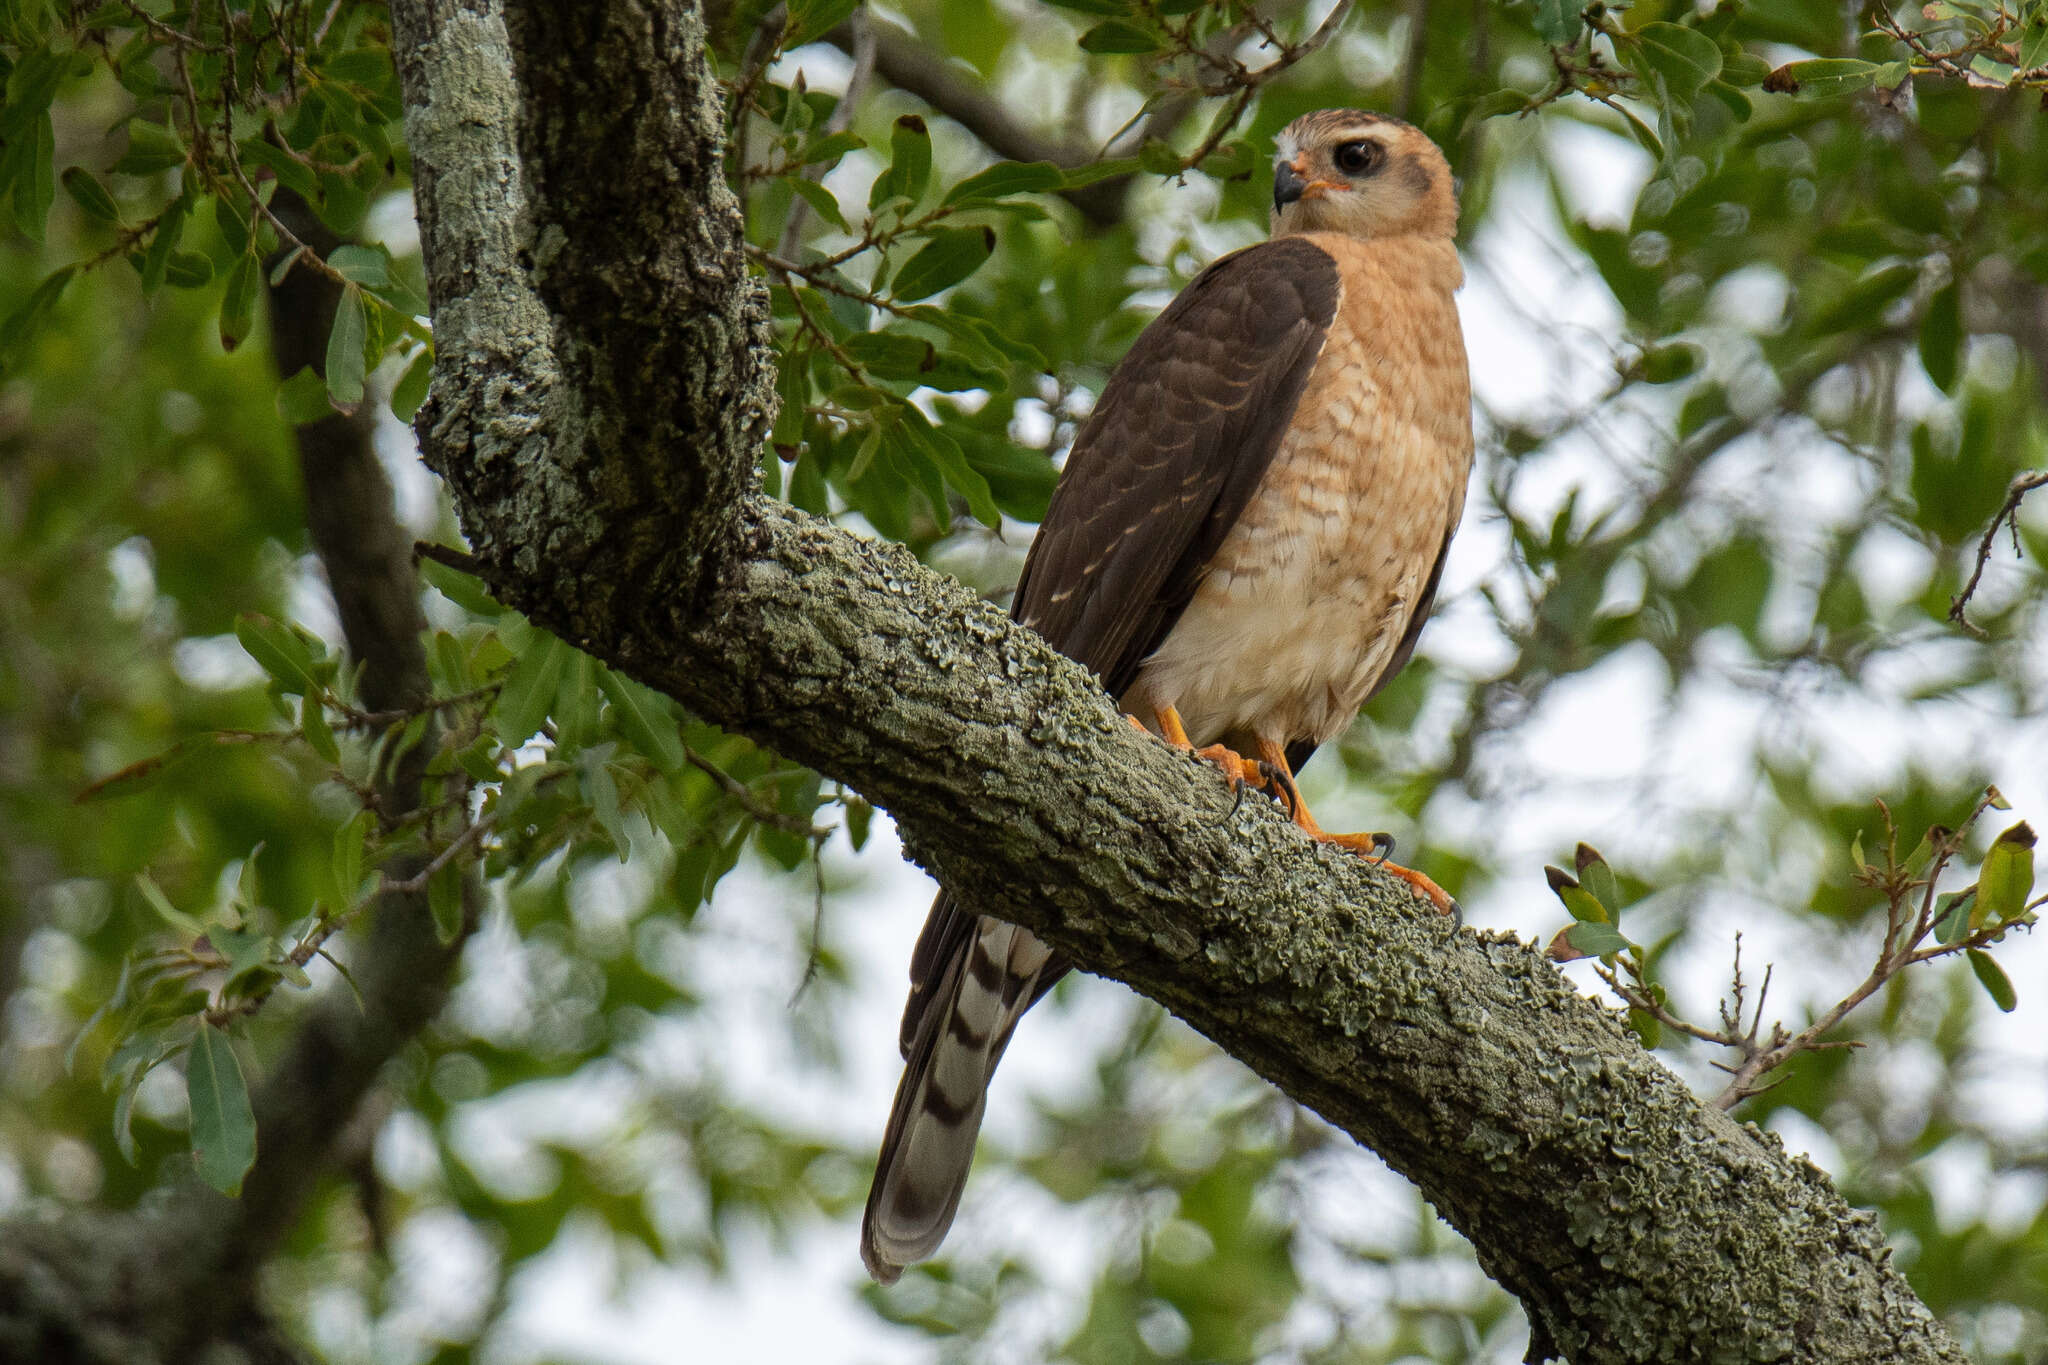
603, 382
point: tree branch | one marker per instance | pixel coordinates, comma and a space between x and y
2009, 512
600, 393
915, 69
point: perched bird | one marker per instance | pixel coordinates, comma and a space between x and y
1244, 545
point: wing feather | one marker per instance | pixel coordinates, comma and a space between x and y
1185, 429
1179, 441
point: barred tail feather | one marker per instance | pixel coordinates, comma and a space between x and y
959, 1026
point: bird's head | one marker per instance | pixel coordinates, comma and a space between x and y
1367, 175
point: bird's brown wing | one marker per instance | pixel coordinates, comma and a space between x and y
1179, 441
1183, 433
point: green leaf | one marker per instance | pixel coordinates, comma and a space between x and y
156, 258
1559, 22
1648, 1030
826, 150
90, 195
576, 707
1744, 68
223, 1124
124, 1121
1004, 179
1584, 906
1867, 297
945, 455
345, 349
363, 264
1998, 72
1079, 177
319, 736
411, 389
238, 302
291, 172
859, 816
23, 320
1734, 101
2034, 41
1822, 77
1640, 131
2007, 876
1118, 35
245, 951
231, 216
1924, 850
1598, 878
151, 148
1667, 364
950, 256
168, 913
303, 398
130, 1065
278, 651
642, 715
813, 19
350, 841
1596, 939
910, 165
1686, 58
464, 590
822, 201
1952, 914
524, 700
1941, 337
444, 900
188, 270
1993, 979
1158, 156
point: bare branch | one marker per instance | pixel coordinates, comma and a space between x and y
2022, 484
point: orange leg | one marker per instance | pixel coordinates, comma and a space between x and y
1374, 847
1236, 769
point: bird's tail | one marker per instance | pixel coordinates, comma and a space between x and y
955, 1034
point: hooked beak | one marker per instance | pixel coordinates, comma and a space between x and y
1288, 185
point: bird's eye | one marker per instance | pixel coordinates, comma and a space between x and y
1357, 158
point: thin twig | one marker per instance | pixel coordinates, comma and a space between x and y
748, 802
837, 122
2022, 484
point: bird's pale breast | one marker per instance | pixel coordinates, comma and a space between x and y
1307, 599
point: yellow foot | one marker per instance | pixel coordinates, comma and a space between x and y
1375, 847
1237, 770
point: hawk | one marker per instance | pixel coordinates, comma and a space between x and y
1244, 545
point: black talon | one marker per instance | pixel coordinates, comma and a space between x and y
1236, 800
1382, 848
1289, 795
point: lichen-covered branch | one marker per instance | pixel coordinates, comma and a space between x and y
602, 388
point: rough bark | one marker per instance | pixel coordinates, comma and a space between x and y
603, 381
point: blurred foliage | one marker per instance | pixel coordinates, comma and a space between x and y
1808, 355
